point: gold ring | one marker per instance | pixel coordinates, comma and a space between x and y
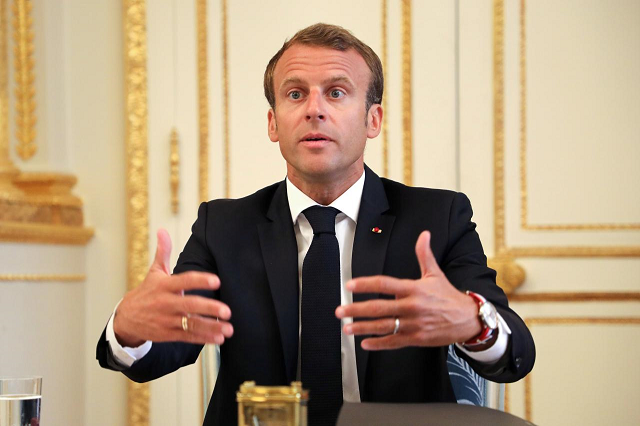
397, 327
185, 323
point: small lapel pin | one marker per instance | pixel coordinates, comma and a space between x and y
376, 230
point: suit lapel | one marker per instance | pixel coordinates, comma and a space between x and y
369, 250
280, 254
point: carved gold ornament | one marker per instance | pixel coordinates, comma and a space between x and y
385, 119
407, 142
174, 174
7, 169
510, 274
203, 100
135, 80
225, 87
25, 79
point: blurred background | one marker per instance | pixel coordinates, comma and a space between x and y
119, 117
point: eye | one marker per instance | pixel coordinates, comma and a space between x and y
294, 94
336, 93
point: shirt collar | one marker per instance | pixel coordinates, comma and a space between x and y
348, 203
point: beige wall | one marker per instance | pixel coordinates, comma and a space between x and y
582, 146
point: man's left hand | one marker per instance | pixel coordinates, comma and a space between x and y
430, 310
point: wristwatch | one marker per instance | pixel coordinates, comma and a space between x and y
489, 318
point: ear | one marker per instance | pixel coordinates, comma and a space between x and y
272, 127
374, 121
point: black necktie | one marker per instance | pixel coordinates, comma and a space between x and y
320, 348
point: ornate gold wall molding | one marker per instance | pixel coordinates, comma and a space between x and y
49, 234
502, 251
605, 251
44, 277
24, 76
34, 207
407, 143
225, 95
524, 211
203, 100
174, 174
40, 208
7, 168
385, 119
135, 80
498, 126
510, 274
622, 296
528, 403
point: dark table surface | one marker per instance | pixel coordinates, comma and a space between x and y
441, 414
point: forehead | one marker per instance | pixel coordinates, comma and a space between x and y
312, 62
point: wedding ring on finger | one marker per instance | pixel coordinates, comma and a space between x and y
185, 323
397, 327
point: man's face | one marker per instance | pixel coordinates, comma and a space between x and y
320, 113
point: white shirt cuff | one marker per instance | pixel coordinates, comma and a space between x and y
124, 355
495, 352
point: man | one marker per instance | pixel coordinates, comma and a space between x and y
359, 296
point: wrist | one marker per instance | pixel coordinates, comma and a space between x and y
122, 337
487, 316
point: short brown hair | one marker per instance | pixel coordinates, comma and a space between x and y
334, 37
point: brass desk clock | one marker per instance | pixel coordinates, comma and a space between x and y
272, 405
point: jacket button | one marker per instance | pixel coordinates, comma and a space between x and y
518, 362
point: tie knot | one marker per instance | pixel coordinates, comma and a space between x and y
322, 219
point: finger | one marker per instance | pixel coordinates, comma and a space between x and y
181, 336
381, 284
207, 327
200, 330
163, 251
192, 280
375, 309
380, 327
200, 305
426, 259
393, 341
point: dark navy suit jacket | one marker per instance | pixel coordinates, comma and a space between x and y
250, 243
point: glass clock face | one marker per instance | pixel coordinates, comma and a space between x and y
489, 315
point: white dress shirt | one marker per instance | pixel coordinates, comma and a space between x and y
349, 206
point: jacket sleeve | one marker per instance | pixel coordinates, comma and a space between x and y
166, 357
465, 265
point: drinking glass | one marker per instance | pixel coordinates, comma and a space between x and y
20, 401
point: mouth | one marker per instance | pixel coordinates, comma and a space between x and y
314, 138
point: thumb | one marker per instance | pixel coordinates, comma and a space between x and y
428, 263
163, 251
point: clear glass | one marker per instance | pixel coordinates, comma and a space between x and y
20, 401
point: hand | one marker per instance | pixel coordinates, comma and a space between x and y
154, 310
432, 312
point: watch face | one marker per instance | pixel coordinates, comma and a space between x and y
489, 315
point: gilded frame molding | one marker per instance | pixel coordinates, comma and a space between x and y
385, 60
44, 277
524, 202
24, 78
504, 255
136, 135
407, 125
225, 96
203, 100
530, 322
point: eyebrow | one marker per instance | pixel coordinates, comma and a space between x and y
332, 80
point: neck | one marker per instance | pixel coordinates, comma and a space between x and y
325, 192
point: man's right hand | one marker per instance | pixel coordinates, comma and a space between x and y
154, 310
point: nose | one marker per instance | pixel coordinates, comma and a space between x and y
315, 106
